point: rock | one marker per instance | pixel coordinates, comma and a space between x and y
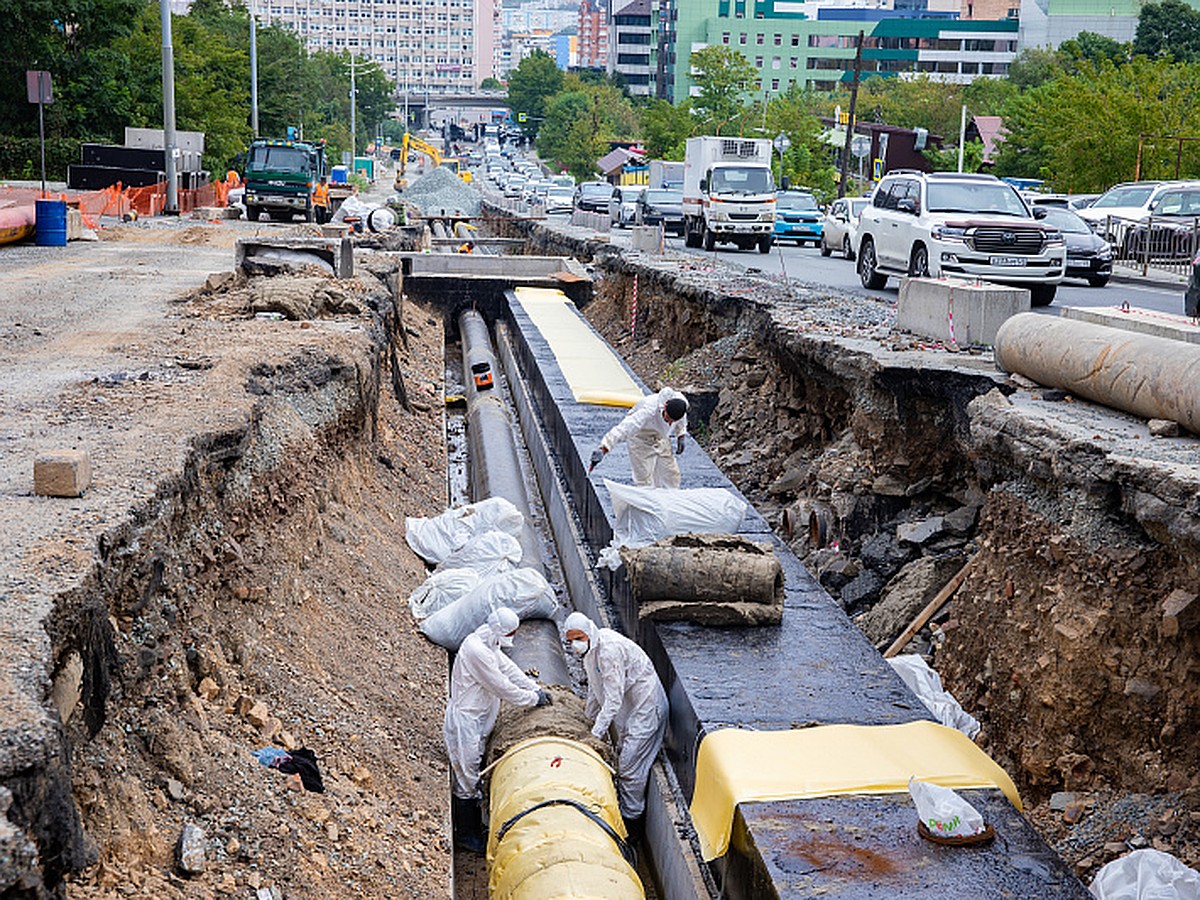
258, 715
838, 573
861, 590
920, 532
1060, 800
889, 486
175, 789
1074, 812
883, 554
906, 595
62, 473
789, 482
1115, 848
1054, 395
208, 689
190, 850
1181, 612
219, 281
1140, 687
1164, 428
962, 520
361, 776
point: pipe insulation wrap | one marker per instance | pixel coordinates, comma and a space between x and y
1148, 376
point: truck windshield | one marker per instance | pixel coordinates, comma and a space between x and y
735, 180
277, 159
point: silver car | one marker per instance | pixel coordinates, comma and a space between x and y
841, 221
622, 206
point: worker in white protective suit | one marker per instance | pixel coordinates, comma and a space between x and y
653, 428
482, 676
623, 691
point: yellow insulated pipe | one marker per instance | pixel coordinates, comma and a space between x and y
554, 826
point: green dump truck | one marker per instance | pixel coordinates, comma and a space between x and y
280, 176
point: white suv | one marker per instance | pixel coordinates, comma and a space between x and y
971, 226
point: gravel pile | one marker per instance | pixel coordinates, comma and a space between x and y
441, 192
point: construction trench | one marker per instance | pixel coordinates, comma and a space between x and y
1069, 631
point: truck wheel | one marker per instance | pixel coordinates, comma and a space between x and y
691, 237
253, 212
866, 266
710, 239
764, 244
1042, 294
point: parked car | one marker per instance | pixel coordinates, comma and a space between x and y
1081, 201
1124, 203
622, 205
839, 225
1172, 229
797, 217
662, 205
559, 200
593, 196
940, 224
1191, 297
1089, 256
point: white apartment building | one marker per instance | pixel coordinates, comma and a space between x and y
424, 46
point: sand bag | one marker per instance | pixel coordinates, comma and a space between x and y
525, 591
489, 553
436, 537
711, 579
441, 589
927, 685
1146, 875
644, 515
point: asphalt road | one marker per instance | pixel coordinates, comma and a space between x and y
805, 265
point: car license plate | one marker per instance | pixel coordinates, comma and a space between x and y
1007, 260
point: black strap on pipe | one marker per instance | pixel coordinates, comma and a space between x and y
626, 851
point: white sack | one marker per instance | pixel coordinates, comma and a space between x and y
1146, 875
944, 813
925, 683
525, 591
437, 537
644, 515
488, 554
441, 589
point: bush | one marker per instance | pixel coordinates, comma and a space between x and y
21, 157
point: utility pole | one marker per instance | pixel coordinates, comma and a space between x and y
168, 90
844, 162
254, 68
353, 115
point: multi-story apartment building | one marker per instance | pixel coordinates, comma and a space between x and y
633, 42
593, 34
425, 46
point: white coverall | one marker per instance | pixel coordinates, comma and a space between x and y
651, 455
624, 690
482, 676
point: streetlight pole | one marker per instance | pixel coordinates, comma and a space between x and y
168, 90
353, 115
254, 68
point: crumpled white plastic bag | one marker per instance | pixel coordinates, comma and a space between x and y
488, 554
441, 589
944, 813
434, 538
927, 685
525, 591
1146, 875
643, 515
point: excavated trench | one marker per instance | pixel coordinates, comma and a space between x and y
892, 477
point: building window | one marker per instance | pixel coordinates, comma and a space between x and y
758, 39
795, 40
778, 40
725, 37
742, 38
774, 84
758, 60
794, 63
776, 62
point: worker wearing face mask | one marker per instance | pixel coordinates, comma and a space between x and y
623, 691
482, 676
654, 429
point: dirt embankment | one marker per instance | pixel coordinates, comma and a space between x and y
1056, 639
247, 575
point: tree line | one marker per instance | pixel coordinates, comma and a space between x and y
105, 59
1089, 114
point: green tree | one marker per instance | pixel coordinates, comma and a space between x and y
666, 128
724, 77
580, 123
809, 161
491, 84
1095, 48
531, 84
1034, 67
1169, 28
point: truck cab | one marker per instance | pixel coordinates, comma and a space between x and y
280, 176
728, 193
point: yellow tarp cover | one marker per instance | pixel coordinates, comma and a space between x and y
736, 766
593, 371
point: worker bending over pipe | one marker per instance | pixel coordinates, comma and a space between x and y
482, 676
623, 691
649, 428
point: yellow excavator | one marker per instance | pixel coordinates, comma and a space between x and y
412, 143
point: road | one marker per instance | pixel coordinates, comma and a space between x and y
805, 265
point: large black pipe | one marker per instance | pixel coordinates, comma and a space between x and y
495, 471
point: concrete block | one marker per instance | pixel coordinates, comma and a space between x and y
62, 473
646, 238
335, 252
208, 213
74, 224
948, 309
1142, 321
335, 230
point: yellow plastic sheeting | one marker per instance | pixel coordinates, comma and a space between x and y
556, 851
592, 370
735, 766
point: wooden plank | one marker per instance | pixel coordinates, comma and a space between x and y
929, 611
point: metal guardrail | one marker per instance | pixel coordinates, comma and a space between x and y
1156, 244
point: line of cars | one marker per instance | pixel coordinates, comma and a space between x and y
633, 204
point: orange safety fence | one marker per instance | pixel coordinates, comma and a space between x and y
119, 201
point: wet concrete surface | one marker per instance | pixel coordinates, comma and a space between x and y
815, 667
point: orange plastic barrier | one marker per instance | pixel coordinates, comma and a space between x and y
117, 200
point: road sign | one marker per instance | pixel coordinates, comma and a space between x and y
781, 143
877, 170
860, 145
522, 117
38, 87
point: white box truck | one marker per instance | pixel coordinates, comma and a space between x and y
665, 174
728, 193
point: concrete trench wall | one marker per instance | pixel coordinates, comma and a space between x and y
170, 558
1056, 637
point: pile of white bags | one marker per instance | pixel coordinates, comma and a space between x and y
433, 539
525, 591
1146, 875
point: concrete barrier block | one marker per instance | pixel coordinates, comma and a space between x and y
1141, 321
74, 224
948, 309
338, 253
646, 238
208, 213
62, 473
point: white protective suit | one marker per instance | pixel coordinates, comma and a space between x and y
624, 690
651, 455
482, 676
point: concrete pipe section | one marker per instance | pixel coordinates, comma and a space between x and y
1148, 376
495, 471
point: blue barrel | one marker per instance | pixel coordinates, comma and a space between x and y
51, 227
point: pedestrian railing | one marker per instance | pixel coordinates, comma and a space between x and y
1162, 244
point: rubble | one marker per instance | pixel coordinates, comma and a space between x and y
441, 192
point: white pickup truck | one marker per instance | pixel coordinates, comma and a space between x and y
728, 193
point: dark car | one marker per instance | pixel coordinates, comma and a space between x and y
661, 205
1089, 256
593, 196
1191, 297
